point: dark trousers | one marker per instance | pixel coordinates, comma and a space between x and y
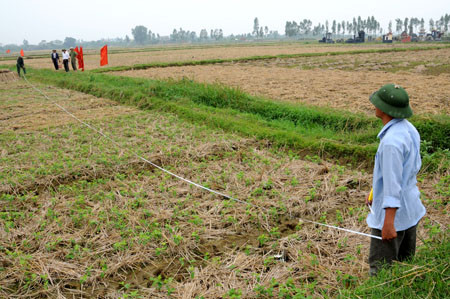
398, 249
20, 67
66, 64
74, 64
55, 63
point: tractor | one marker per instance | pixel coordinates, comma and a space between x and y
327, 39
357, 39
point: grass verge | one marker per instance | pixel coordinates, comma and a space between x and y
425, 276
329, 133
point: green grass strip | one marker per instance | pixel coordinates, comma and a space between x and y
138, 92
264, 57
335, 134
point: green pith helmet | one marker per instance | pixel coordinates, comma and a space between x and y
392, 100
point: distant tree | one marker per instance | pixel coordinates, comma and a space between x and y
174, 36
349, 28
437, 24
415, 24
326, 25
390, 26
291, 29
149, 35
70, 42
333, 27
447, 21
405, 24
315, 30
431, 22
255, 27
422, 24
140, 34
304, 27
266, 30
339, 28
217, 34
203, 34
398, 25
127, 39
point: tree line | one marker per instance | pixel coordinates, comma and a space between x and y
370, 25
305, 28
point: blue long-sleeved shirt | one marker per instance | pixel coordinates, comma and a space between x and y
397, 163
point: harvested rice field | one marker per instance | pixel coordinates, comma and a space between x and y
192, 53
342, 82
83, 216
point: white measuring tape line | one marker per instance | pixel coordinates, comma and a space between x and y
181, 178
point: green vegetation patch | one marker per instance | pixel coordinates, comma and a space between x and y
331, 133
425, 276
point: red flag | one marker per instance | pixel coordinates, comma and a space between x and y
21, 53
80, 58
8, 51
104, 56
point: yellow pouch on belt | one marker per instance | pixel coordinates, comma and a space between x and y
371, 196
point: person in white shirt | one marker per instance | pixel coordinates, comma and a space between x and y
65, 56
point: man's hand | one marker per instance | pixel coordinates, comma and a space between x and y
388, 232
368, 203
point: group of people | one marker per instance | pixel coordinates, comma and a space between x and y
66, 57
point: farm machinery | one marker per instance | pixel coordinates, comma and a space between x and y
327, 39
387, 38
357, 39
434, 36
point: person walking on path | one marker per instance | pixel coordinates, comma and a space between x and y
20, 65
73, 59
65, 57
55, 59
396, 205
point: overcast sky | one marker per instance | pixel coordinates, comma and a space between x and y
36, 20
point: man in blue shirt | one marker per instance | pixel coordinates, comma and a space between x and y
396, 205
